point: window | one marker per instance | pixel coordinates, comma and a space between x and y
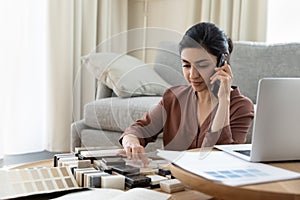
283, 21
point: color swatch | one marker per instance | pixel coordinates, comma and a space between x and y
24, 182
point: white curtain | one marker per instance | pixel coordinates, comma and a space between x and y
22, 76
240, 19
75, 29
43, 87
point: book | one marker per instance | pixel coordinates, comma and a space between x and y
115, 194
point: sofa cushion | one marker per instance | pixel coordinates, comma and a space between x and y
116, 114
99, 138
251, 61
126, 75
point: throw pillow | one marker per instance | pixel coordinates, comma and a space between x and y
126, 75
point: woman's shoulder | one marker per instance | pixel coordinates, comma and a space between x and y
182, 92
239, 100
179, 89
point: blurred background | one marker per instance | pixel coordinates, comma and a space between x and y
42, 42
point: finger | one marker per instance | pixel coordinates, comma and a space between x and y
128, 152
226, 67
222, 74
214, 77
219, 71
144, 157
135, 153
121, 152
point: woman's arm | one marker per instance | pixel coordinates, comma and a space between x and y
148, 127
220, 121
241, 115
143, 131
233, 116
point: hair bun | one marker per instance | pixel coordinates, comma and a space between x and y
230, 45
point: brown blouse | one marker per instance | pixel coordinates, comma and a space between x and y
176, 117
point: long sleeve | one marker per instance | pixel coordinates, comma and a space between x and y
149, 126
241, 117
176, 117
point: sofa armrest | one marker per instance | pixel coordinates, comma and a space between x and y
76, 129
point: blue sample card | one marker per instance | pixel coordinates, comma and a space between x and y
237, 173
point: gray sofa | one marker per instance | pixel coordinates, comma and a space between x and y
108, 116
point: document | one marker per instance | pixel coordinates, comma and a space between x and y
224, 168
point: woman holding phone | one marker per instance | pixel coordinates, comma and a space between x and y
207, 111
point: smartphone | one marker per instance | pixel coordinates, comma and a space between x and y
215, 87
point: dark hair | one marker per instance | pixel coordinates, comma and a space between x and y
208, 36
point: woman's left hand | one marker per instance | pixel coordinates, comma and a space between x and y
224, 74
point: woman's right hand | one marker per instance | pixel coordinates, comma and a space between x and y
133, 149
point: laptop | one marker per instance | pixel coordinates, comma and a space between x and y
276, 128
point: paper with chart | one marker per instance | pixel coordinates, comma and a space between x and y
227, 169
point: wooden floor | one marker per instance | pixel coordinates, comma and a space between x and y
9, 160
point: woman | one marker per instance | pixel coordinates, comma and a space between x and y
207, 111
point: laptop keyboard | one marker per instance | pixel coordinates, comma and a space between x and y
245, 152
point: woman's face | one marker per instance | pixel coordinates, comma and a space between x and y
198, 66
